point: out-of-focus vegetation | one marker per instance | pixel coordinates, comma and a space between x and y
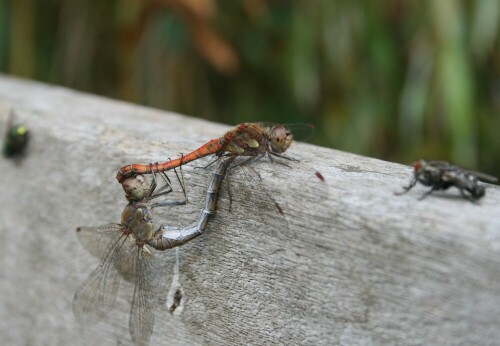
394, 79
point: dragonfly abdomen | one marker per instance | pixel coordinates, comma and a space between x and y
212, 147
168, 237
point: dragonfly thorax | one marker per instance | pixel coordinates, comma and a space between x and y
138, 218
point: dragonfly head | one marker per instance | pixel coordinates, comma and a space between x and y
135, 187
280, 139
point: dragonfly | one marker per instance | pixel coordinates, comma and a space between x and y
249, 142
128, 253
254, 140
16, 139
441, 175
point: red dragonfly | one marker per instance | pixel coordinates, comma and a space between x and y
248, 139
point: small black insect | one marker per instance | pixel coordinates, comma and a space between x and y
16, 139
440, 175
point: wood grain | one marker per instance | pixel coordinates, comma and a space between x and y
351, 263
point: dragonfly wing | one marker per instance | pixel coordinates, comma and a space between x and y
145, 301
96, 296
248, 190
282, 206
96, 239
302, 132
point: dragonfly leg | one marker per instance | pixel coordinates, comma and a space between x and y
214, 160
249, 161
278, 161
154, 184
282, 156
168, 203
229, 193
169, 188
160, 191
181, 179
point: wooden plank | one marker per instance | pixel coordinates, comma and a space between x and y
350, 264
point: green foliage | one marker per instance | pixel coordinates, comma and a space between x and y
395, 79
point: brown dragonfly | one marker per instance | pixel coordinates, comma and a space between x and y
254, 140
128, 252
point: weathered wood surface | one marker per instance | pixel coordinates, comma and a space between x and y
361, 266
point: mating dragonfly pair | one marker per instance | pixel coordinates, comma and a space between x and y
129, 245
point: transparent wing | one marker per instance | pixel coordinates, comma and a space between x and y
444, 165
301, 131
250, 196
145, 301
258, 191
96, 239
484, 177
96, 296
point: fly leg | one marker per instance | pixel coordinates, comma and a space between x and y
433, 188
468, 196
407, 188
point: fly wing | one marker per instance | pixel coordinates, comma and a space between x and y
452, 176
442, 165
96, 296
484, 177
146, 293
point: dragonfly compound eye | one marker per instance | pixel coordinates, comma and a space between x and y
280, 139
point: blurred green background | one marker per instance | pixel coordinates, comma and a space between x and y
398, 80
